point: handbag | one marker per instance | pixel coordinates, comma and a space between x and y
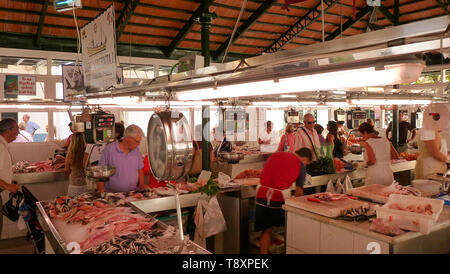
196, 166
11, 208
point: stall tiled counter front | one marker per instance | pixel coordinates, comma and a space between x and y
43, 185
310, 233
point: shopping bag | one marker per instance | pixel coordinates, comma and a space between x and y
11, 208
339, 189
214, 220
330, 187
347, 184
224, 179
199, 235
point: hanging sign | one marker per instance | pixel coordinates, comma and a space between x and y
19, 85
73, 82
98, 44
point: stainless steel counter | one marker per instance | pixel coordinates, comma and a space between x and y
40, 177
59, 246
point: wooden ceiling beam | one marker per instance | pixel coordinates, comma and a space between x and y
301, 25
244, 27
204, 6
363, 12
125, 16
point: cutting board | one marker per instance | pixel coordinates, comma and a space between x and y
247, 181
372, 192
331, 209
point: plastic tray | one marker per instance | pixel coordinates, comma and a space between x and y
411, 220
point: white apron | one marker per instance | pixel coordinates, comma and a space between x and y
381, 172
269, 193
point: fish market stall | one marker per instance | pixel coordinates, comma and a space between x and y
95, 225
328, 227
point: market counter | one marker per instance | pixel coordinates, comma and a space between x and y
357, 174
40, 177
308, 232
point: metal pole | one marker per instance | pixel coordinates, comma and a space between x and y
205, 21
396, 12
395, 125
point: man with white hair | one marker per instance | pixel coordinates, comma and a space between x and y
31, 126
24, 136
307, 136
8, 133
126, 157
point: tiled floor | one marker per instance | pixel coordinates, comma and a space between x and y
16, 246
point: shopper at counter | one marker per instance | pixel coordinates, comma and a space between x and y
126, 157
287, 140
277, 176
378, 154
307, 136
334, 139
403, 129
268, 137
74, 165
319, 130
8, 133
31, 126
66, 145
24, 136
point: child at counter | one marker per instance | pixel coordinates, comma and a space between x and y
74, 165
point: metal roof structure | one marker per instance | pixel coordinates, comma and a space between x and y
170, 29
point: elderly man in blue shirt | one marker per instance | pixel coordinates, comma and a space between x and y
31, 126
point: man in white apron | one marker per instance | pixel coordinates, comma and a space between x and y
8, 133
280, 171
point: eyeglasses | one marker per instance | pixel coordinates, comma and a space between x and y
138, 142
309, 123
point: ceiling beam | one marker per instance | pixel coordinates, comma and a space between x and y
187, 27
309, 18
443, 6
125, 16
41, 21
64, 44
396, 12
244, 27
387, 14
363, 12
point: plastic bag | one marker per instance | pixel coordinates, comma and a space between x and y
330, 187
224, 179
339, 189
209, 220
11, 208
347, 184
204, 177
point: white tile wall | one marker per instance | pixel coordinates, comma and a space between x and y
32, 152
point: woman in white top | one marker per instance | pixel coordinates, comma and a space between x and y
378, 154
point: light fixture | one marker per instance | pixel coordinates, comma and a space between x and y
389, 102
284, 104
362, 77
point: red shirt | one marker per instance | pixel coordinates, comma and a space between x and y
152, 182
280, 171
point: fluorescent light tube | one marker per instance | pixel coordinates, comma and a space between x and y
391, 75
390, 102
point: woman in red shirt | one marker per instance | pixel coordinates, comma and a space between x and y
280, 171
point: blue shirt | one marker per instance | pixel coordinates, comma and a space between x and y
127, 168
31, 126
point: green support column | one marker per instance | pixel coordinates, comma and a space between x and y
395, 124
205, 21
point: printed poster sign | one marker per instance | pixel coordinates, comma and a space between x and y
19, 85
98, 44
73, 82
